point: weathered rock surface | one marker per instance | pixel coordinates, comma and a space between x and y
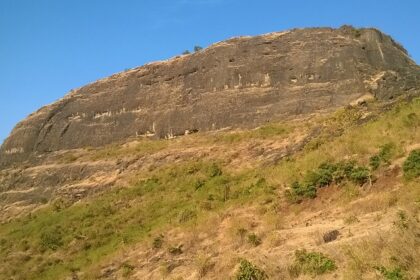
23, 189
241, 82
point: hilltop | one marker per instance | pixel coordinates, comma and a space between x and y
243, 82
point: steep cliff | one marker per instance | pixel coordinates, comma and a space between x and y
241, 82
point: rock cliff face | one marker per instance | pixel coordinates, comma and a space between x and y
241, 82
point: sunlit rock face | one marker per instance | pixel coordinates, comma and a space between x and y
241, 82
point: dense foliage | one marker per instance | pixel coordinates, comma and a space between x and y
312, 263
248, 271
327, 174
411, 166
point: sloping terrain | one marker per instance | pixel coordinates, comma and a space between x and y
292, 155
193, 207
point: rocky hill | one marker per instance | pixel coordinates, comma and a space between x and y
241, 82
291, 155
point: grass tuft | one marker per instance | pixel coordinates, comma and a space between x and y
312, 263
249, 271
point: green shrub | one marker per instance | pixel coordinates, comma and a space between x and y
402, 222
214, 170
411, 166
300, 191
394, 274
51, 239
325, 175
360, 175
127, 269
60, 204
328, 173
158, 242
352, 30
319, 178
197, 48
384, 156
312, 263
386, 152
374, 162
345, 168
253, 239
248, 271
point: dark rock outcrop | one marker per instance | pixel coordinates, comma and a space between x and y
241, 82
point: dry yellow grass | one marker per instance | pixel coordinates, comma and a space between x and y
208, 192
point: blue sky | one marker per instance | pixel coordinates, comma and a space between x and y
48, 47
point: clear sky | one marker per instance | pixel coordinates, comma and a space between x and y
48, 47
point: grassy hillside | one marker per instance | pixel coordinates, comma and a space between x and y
344, 202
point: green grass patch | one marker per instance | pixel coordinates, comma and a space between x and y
269, 131
116, 151
311, 263
324, 175
386, 153
85, 233
411, 166
55, 241
358, 142
249, 271
254, 239
391, 274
